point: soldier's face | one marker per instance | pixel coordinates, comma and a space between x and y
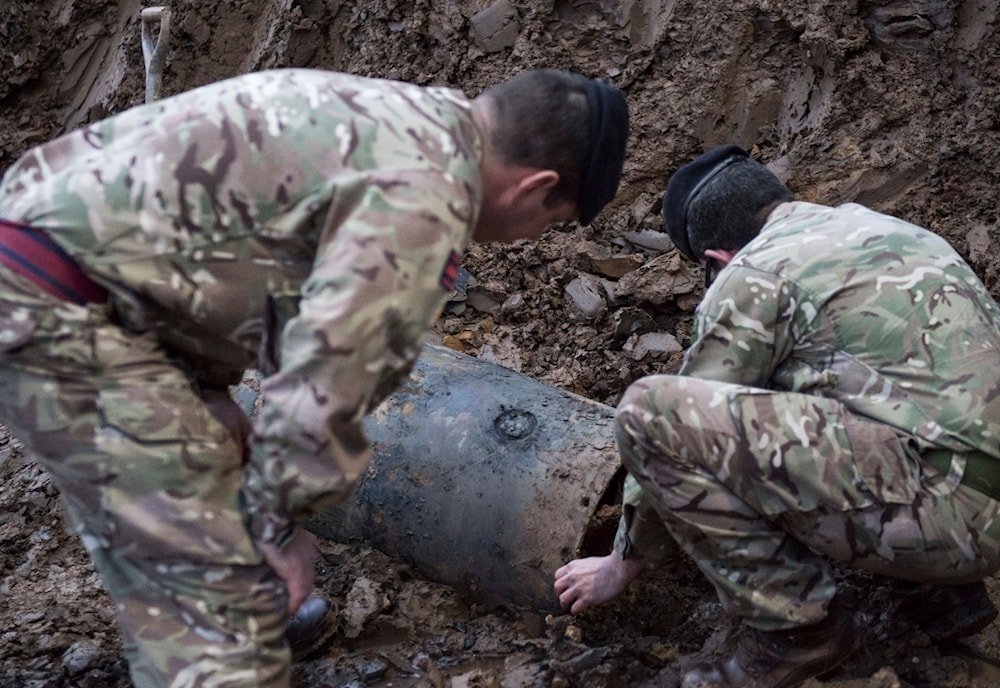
523, 222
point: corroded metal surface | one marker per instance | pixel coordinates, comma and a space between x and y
481, 478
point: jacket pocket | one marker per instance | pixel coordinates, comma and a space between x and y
884, 466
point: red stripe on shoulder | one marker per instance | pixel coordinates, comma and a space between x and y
450, 272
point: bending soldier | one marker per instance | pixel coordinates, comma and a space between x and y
839, 401
306, 223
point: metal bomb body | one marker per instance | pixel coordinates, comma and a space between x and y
481, 478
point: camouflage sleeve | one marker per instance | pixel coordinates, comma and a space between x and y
641, 532
744, 328
375, 287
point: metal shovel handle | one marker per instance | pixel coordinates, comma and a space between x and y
154, 53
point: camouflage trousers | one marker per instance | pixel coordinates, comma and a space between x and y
151, 482
763, 488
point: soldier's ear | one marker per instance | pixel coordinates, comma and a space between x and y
722, 255
538, 180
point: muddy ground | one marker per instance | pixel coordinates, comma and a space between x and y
889, 103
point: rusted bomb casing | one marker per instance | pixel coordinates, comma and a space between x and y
481, 478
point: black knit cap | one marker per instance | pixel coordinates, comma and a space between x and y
608, 136
686, 183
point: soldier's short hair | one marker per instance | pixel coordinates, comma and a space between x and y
553, 119
720, 200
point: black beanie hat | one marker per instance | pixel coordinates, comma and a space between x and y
686, 183
606, 158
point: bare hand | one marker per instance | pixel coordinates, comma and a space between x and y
584, 583
295, 563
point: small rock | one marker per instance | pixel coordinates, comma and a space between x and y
648, 239
656, 345
662, 282
496, 28
471, 679
482, 302
464, 280
629, 321
585, 293
619, 265
512, 303
365, 600
373, 670
80, 656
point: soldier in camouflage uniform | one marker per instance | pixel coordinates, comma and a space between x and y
306, 223
840, 401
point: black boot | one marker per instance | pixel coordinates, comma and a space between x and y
780, 659
313, 624
949, 612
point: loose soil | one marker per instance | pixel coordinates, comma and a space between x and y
890, 103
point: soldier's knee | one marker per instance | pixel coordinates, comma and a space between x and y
641, 394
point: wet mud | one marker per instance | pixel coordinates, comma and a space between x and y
889, 103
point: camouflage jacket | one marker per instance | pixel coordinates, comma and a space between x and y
300, 221
854, 305
861, 307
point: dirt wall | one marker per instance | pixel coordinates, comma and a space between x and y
888, 103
